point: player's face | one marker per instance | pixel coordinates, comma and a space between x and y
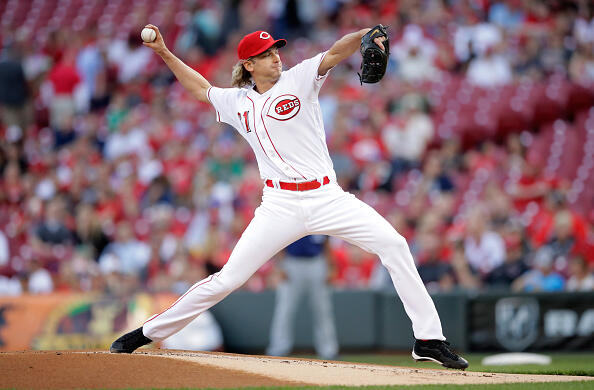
267, 64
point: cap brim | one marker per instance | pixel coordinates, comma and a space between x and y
278, 43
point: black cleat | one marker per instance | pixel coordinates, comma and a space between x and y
129, 342
439, 352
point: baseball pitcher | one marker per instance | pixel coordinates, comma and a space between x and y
278, 114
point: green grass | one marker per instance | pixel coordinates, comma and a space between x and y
581, 364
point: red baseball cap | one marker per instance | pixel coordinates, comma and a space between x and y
256, 43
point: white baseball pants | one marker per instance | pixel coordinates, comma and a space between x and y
282, 218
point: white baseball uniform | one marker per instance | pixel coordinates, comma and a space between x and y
284, 128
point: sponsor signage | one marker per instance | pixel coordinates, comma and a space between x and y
516, 322
72, 321
556, 321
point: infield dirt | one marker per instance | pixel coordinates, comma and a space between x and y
176, 369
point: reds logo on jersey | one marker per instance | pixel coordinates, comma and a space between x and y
284, 107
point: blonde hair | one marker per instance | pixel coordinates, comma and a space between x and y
240, 77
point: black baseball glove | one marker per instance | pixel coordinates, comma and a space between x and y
375, 60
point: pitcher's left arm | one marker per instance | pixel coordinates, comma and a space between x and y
344, 48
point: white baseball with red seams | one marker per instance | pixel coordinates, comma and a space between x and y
284, 128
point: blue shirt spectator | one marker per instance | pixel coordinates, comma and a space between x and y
542, 277
509, 18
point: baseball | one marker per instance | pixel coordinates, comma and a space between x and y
148, 34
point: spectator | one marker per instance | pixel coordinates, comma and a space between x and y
159, 191
435, 181
464, 277
415, 55
130, 140
475, 40
205, 28
530, 187
205, 65
80, 274
581, 64
53, 229
64, 133
353, 266
528, 63
4, 250
408, 133
562, 241
366, 146
542, 277
40, 280
375, 176
36, 63
64, 79
542, 225
342, 160
88, 231
490, 70
500, 209
554, 56
225, 164
515, 264
584, 24
10, 286
507, 14
452, 159
580, 278
484, 249
126, 254
14, 91
117, 112
90, 62
175, 274
102, 93
435, 273
539, 17
130, 56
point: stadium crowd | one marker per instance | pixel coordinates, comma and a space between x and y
477, 146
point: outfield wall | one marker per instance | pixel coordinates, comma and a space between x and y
365, 320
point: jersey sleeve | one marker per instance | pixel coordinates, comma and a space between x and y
307, 72
225, 102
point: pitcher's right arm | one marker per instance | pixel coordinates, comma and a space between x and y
191, 80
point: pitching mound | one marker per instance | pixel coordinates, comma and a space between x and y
176, 369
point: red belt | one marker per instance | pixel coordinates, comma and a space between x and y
304, 186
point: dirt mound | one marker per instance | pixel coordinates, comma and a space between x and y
175, 369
